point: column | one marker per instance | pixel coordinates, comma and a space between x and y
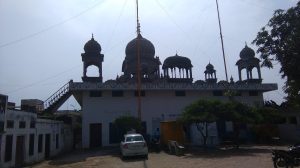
258, 71
247, 73
191, 75
84, 70
240, 75
187, 73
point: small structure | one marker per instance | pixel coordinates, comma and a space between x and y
33, 105
28, 139
248, 62
178, 69
171, 131
289, 131
92, 56
210, 74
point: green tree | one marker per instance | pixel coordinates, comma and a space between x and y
270, 113
239, 113
127, 123
279, 41
267, 128
201, 113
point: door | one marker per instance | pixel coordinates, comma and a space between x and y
95, 135
20, 149
47, 146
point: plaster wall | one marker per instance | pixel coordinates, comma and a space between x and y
157, 105
42, 126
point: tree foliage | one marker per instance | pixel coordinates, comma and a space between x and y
127, 123
203, 112
270, 115
279, 41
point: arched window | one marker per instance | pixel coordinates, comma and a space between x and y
92, 71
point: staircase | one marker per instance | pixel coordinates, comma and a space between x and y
58, 98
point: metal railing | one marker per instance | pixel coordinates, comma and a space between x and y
57, 95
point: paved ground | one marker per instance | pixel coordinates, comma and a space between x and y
246, 157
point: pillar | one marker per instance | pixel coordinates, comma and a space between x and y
186, 73
258, 71
84, 70
240, 75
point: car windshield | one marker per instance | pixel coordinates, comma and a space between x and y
134, 138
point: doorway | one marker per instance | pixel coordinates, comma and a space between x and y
47, 146
95, 135
20, 149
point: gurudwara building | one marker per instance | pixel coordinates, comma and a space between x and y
166, 88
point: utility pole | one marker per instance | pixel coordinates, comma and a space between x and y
138, 69
220, 27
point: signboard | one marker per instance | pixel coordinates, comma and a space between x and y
3, 107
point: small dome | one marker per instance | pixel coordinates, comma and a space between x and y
92, 46
209, 67
247, 53
177, 61
146, 47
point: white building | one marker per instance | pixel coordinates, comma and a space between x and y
28, 139
163, 95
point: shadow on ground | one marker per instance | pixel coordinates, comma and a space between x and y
191, 152
134, 159
197, 152
82, 155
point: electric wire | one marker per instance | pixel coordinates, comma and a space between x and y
174, 22
73, 17
42, 80
177, 25
117, 22
50, 27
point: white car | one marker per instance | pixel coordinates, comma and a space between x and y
134, 145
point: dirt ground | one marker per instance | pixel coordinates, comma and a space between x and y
245, 157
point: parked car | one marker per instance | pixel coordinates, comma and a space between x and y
134, 145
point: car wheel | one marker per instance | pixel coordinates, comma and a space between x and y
146, 157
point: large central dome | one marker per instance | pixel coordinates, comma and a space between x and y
146, 48
149, 65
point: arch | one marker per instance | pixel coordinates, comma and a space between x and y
256, 73
243, 74
92, 71
92, 62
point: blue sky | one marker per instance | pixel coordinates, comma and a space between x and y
41, 41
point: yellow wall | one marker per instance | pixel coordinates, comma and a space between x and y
171, 130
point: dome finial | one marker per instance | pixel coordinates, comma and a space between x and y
92, 36
231, 79
246, 44
138, 26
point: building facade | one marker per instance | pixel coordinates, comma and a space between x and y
28, 139
160, 94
